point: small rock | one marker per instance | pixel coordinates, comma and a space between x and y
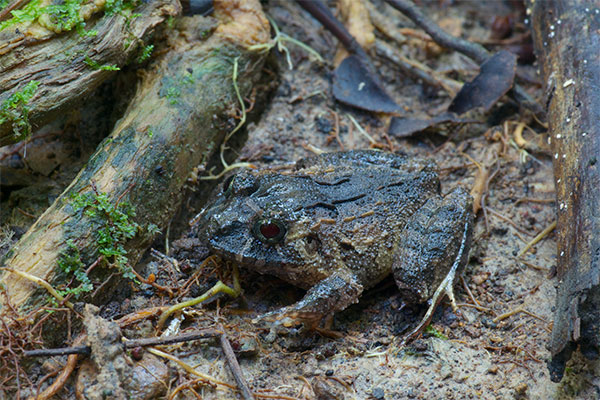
480, 278
521, 391
326, 389
472, 331
323, 125
247, 347
378, 394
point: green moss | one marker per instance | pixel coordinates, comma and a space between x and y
64, 16
118, 6
173, 94
152, 229
146, 52
14, 110
175, 87
170, 22
94, 65
70, 263
30, 12
429, 329
114, 227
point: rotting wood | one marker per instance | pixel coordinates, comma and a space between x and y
70, 65
182, 109
566, 41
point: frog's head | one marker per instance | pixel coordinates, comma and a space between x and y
260, 220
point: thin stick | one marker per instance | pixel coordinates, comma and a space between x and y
188, 368
536, 239
517, 311
43, 284
236, 370
129, 344
441, 37
322, 14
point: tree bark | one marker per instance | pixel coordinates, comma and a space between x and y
69, 65
182, 109
567, 45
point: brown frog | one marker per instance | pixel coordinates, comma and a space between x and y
338, 223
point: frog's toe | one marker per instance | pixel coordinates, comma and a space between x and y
290, 318
445, 288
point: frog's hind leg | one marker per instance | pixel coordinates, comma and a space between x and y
446, 287
433, 249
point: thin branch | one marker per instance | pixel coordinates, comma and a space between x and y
236, 370
129, 344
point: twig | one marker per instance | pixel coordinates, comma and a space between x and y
236, 370
153, 283
43, 284
476, 305
508, 220
336, 130
136, 316
189, 368
385, 25
362, 131
25, 213
322, 14
184, 337
61, 351
441, 37
417, 69
184, 385
517, 311
533, 200
219, 287
534, 266
536, 239
128, 344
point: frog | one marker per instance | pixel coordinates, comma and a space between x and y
338, 223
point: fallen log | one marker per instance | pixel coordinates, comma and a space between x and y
566, 42
49, 64
184, 105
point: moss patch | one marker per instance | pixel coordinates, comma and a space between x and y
14, 110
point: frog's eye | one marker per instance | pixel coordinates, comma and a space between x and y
269, 230
227, 184
240, 184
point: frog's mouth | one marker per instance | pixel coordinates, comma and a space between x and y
247, 251
268, 260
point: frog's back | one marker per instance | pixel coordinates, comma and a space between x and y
370, 195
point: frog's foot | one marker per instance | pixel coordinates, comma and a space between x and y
332, 294
445, 288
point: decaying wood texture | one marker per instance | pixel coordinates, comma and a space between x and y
566, 37
68, 65
185, 104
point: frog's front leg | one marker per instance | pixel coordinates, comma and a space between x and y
432, 250
330, 295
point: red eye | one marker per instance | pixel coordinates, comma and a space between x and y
269, 231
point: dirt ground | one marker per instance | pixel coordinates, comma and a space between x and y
492, 347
